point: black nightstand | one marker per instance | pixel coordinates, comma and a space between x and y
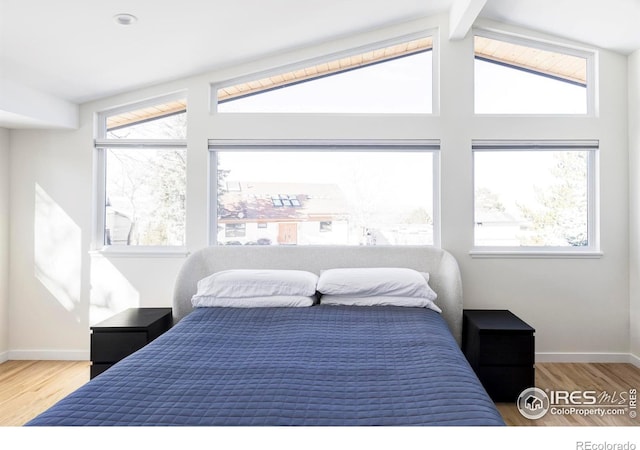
501, 350
119, 336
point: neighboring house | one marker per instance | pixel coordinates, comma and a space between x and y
283, 213
497, 228
118, 228
118, 223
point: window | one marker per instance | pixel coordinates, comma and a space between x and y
160, 121
326, 226
325, 193
535, 195
523, 77
141, 176
392, 79
234, 230
145, 196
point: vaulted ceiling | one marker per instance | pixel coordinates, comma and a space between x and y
58, 54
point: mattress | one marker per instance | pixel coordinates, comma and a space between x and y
316, 366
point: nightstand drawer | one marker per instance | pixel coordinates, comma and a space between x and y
501, 349
506, 349
128, 331
504, 384
98, 368
113, 346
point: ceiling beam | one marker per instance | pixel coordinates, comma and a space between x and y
24, 107
461, 17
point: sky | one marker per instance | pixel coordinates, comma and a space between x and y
402, 85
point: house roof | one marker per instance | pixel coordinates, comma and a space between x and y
265, 202
495, 217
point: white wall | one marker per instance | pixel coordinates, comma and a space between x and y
4, 244
634, 205
50, 223
579, 307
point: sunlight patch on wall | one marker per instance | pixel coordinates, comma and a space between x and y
111, 292
57, 251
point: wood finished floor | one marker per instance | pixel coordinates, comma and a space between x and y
610, 378
29, 387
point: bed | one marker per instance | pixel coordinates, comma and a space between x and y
319, 365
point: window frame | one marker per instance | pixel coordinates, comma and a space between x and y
592, 250
589, 55
435, 85
100, 146
324, 145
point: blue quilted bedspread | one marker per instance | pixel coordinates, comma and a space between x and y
323, 365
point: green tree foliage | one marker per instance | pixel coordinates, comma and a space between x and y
488, 201
148, 186
419, 216
560, 218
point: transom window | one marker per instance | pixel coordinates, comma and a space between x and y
390, 79
525, 77
167, 120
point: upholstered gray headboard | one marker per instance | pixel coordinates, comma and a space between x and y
441, 265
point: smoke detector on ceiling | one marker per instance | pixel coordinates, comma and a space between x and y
125, 19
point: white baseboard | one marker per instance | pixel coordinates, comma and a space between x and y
49, 355
541, 357
560, 357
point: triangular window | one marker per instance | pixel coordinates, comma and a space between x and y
391, 79
167, 120
518, 78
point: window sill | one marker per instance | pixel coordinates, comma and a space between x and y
142, 252
535, 115
535, 254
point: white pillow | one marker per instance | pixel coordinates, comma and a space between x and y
273, 301
374, 281
245, 283
416, 302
